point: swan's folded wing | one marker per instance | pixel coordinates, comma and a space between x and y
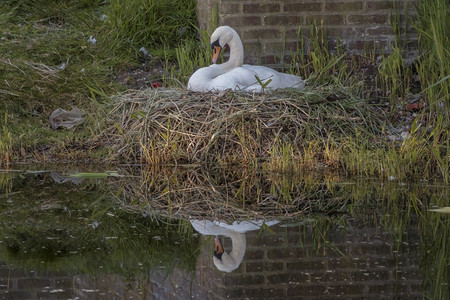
278, 80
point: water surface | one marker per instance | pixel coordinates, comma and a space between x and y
150, 235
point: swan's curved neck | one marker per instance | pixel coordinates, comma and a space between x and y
236, 52
239, 244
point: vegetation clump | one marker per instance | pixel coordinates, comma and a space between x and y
357, 116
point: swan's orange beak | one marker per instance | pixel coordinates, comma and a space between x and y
216, 53
218, 249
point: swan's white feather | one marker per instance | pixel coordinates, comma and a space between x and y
236, 76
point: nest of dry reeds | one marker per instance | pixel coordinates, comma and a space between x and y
166, 125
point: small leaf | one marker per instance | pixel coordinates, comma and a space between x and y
267, 83
118, 128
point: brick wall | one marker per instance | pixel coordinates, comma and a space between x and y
16, 283
283, 264
268, 27
286, 263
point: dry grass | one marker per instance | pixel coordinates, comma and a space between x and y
174, 125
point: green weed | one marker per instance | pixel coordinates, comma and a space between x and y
433, 66
158, 25
395, 78
6, 142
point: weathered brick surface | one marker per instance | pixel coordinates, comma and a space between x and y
282, 264
287, 264
291, 263
300, 6
345, 6
15, 283
252, 8
274, 25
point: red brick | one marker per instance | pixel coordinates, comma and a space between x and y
252, 47
367, 19
380, 289
294, 33
310, 290
326, 277
307, 265
286, 279
327, 19
66, 294
416, 287
264, 266
242, 279
266, 239
5, 283
260, 293
229, 8
409, 273
381, 262
412, 43
15, 294
379, 5
361, 44
294, 45
241, 21
262, 34
268, 60
235, 292
342, 263
274, 47
370, 275
283, 20
380, 30
343, 6
346, 289
345, 32
12, 273
254, 254
261, 8
286, 253
376, 249
66, 283
30, 283
302, 7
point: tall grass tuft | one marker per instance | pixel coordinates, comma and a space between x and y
6, 142
158, 25
433, 27
395, 77
190, 56
313, 59
433, 67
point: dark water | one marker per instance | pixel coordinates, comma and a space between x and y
150, 235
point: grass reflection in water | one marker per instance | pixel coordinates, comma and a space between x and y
128, 225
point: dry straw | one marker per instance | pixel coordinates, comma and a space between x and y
160, 126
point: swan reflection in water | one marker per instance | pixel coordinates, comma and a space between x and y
227, 262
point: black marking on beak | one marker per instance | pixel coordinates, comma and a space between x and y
216, 43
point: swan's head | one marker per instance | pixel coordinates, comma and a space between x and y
220, 37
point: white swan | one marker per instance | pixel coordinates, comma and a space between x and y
233, 74
227, 262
